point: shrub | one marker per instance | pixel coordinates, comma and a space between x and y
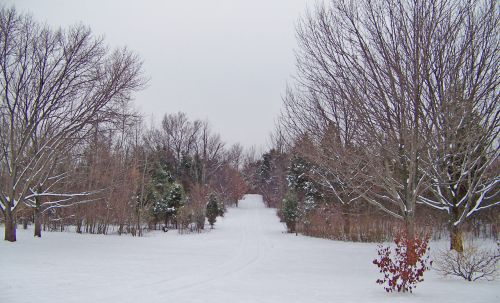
405, 267
191, 219
212, 210
199, 219
221, 209
472, 264
290, 211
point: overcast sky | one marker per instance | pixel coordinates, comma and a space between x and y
227, 61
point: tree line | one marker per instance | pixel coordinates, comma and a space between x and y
393, 117
74, 152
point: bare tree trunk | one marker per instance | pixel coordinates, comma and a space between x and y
410, 226
347, 221
38, 222
410, 236
38, 218
138, 223
456, 236
10, 226
456, 241
79, 226
141, 201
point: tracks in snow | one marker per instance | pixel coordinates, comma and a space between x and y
238, 244
252, 246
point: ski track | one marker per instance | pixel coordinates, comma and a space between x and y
249, 235
246, 233
248, 257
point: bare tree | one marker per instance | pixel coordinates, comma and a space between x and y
54, 85
234, 156
209, 148
400, 95
360, 66
463, 113
180, 135
324, 133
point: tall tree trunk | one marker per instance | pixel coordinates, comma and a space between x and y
38, 217
79, 226
10, 225
456, 239
139, 208
410, 237
38, 222
139, 227
410, 226
347, 221
37, 214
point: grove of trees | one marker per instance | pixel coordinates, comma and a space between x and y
74, 153
392, 122
393, 117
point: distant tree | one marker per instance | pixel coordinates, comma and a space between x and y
269, 176
209, 149
290, 210
158, 191
212, 210
175, 200
179, 136
300, 182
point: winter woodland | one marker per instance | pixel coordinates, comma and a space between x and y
383, 168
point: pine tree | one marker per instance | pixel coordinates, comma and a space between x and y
157, 190
306, 190
166, 194
290, 210
212, 210
175, 200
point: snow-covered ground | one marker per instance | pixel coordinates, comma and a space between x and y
247, 258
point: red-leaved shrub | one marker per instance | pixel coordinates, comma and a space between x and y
404, 267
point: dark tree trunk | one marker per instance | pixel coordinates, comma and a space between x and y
38, 222
347, 221
139, 223
79, 226
10, 226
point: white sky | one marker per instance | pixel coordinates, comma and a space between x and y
227, 61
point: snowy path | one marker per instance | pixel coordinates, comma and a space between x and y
247, 258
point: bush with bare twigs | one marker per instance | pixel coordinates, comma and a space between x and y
472, 264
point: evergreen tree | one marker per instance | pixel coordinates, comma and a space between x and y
212, 210
166, 194
265, 168
300, 182
157, 190
174, 200
290, 210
